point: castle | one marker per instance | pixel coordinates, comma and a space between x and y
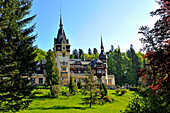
74, 67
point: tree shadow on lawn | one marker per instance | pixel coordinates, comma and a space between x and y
59, 107
116, 94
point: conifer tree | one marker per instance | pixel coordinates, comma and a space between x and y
89, 51
95, 51
75, 53
103, 89
72, 86
92, 88
17, 54
52, 71
80, 53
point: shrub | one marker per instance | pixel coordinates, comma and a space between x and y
123, 91
64, 93
118, 86
38, 91
134, 89
79, 84
56, 90
68, 94
117, 91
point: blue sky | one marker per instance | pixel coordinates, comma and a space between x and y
85, 21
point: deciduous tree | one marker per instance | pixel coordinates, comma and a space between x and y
156, 45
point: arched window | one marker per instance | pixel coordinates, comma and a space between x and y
63, 54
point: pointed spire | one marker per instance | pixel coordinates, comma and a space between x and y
61, 24
102, 48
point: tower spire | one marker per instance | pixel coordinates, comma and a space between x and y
102, 48
61, 24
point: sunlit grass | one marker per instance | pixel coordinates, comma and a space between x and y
42, 103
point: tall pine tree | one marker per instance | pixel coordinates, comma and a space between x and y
17, 54
52, 71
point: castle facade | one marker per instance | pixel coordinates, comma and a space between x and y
74, 67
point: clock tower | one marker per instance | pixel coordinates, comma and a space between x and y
62, 54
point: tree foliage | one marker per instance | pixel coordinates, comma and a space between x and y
91, 87
156, 44
75, 54
52, 71
40, 55
17, 54
155, 74
124, 65
72, 86
80, 53
79, 84
103, 89
89, 51
95, 51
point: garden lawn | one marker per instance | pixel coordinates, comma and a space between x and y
43, 104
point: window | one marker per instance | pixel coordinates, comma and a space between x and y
99, 80
64, 63
63, 48
40, 80
100, 71
63, 54
110, 81
32, 80
64, 69
78, 66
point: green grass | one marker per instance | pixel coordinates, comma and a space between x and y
42, 103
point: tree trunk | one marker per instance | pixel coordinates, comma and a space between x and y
51, 91
90, 97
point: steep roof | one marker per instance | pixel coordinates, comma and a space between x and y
102, 53
96, 61
61, 34
74, 61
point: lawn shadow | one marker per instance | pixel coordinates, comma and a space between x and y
116, 94
44, 96
59, 107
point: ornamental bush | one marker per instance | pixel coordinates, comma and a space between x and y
117, 91
123, 91
56, 90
